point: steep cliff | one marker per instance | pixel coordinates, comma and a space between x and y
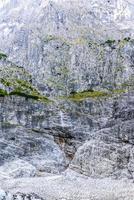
67, 99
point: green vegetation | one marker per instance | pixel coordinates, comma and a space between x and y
3, 93
109, 42
118, 91
128, 84
79, 96
17, 81
22, 88
49, 38
18, 92
2, 56
123, 42
84, 41
127, 39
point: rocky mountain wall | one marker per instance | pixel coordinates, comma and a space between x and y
66, 98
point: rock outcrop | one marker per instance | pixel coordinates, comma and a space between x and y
66, 99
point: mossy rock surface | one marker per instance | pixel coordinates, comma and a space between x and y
22, 88
33, 96
79, 96
3, 93
2, 56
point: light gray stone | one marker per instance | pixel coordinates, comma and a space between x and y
18, 168
60, 48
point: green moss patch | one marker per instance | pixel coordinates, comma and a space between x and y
22, 88
3, 56
3, 93
127, 39
109, 42
49, 38
112, 42
33, 96
129, 84
118, 91
79, 96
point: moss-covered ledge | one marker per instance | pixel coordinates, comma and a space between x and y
22, 88
41, 98
33, 96
80, 96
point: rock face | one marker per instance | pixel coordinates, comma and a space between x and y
66, 98
59, 45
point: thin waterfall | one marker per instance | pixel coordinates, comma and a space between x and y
62, 119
